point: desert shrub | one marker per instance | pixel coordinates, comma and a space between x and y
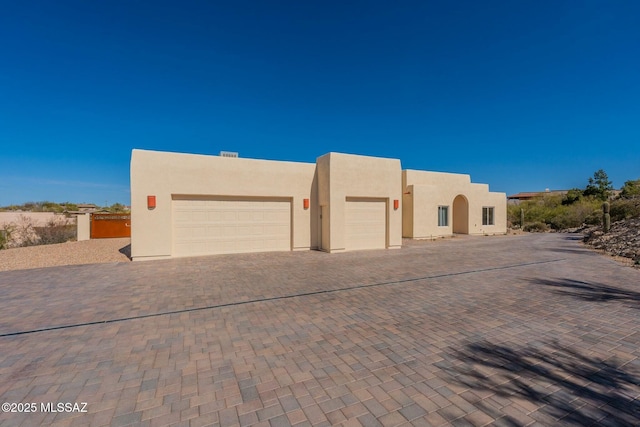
25, 232
572, 196
537, 226
556, 213
585, 211
55, 234
630, 189
3, 238
57, 230
513, 214
625, 209
537, 210
594, 219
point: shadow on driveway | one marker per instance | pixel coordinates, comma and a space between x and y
575, 237
597, 292
565, 386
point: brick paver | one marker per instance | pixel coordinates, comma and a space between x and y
512, 330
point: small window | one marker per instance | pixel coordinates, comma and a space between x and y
487, 215
443, 216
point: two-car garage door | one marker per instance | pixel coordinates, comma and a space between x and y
224, 225
207, 226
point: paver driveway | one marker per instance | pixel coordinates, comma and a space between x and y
522, 330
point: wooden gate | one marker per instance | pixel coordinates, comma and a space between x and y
108, 225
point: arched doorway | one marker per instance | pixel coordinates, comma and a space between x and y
461, 215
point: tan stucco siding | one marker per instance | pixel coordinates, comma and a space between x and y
166, 175
352, 176
428, 190
323, 171
426, 199
444, 180
488, 199
407, 210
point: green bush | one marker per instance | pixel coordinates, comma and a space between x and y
625, 209
630, 189
574, 195
556, 212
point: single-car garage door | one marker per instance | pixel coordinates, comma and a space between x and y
223, 225
366, 224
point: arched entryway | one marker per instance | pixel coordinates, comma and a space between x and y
461, 215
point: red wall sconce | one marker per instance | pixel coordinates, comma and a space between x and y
396, 204
305, 203
151, 202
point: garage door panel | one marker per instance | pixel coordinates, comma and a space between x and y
180, 215
366, 224
197, 215
204, 227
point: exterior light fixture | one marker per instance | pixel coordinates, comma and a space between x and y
396, 204
151, 202
305, 203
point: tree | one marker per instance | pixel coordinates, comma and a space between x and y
599, 185
630, 189
117, 207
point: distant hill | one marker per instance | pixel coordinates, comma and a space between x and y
44, 206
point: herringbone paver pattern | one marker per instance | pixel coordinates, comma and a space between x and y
527, 330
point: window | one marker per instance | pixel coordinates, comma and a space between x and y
487, 215
443, 216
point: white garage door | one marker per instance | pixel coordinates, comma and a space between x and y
366, 224
222, 226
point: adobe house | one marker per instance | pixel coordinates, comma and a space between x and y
190, 205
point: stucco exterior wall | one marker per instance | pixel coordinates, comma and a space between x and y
407, 209
488, 199
323, 171
343, 176
165, 175
428, 190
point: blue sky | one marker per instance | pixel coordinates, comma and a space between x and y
522, 95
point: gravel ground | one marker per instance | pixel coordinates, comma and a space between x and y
70, 253
622, 240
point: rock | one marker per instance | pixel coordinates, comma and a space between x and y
622, 240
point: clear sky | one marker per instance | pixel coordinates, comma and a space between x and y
522, 95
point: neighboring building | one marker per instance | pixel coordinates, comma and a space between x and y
189, 205
521, 197
516, 199
85, 208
